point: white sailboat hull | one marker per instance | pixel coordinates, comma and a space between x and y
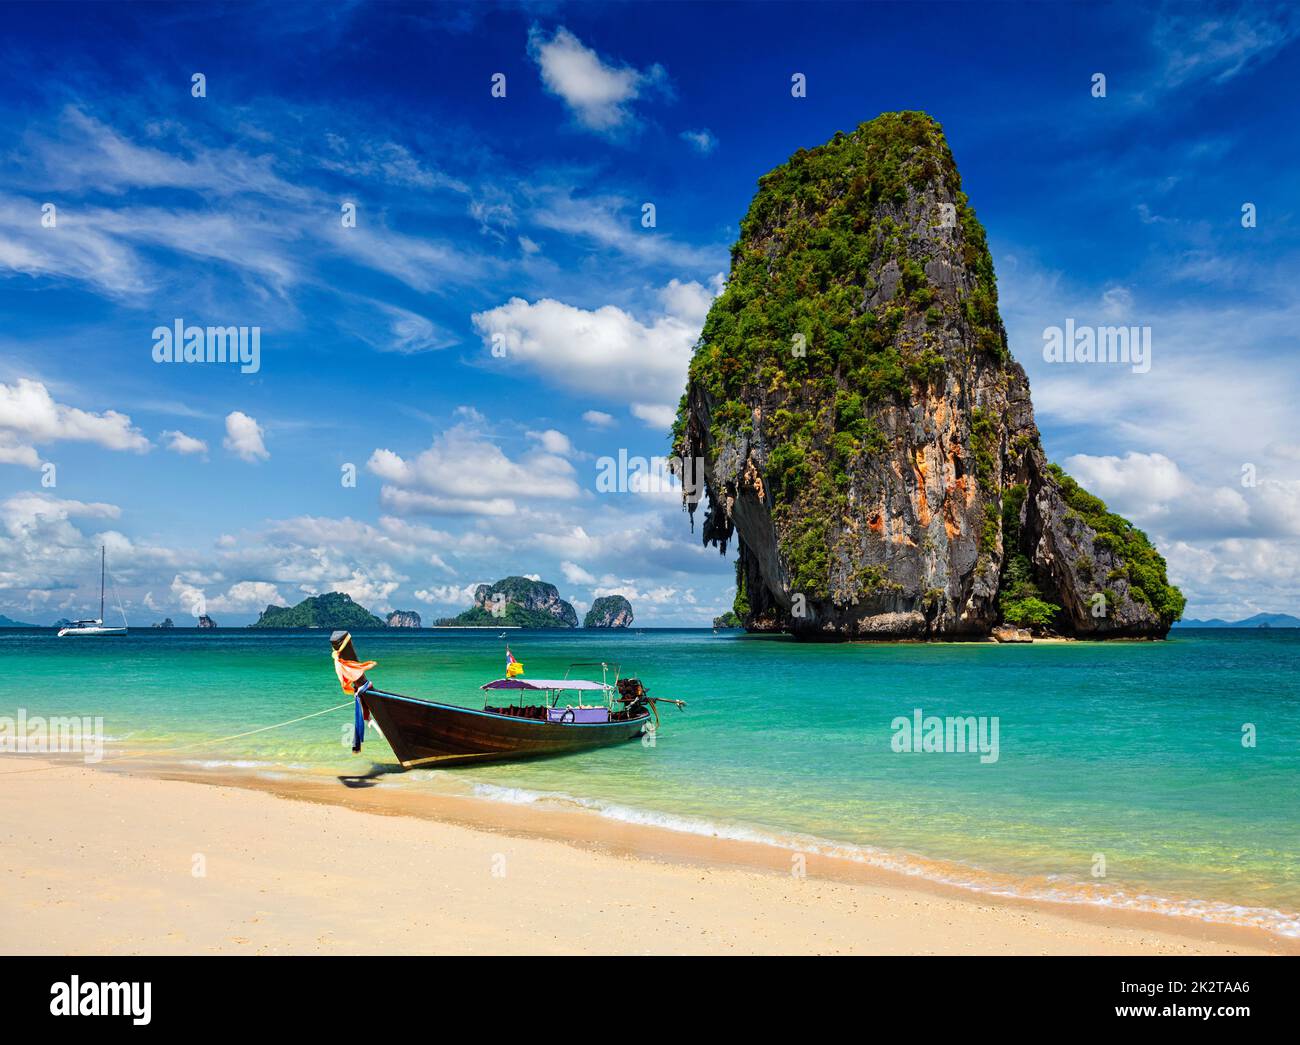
94, 626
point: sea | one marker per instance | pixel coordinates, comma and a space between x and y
1156, 776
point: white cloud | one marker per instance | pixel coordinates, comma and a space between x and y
597, 93
247, 595
656, 415
463, 472
244, 437
447, 595
180, 443
654, 596
702, 140
368, 588
598, 418
26, 512
606, 351
14, 452
30, 416
1155, 493
575, 574
1134, 478
189, 595
553, 442
412, 502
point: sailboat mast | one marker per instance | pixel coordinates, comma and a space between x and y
101, 583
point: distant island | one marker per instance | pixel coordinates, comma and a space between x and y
403, 619
206, 622
609, 611
518, 602
728, 620
5, 622
334, 609
1259, 620
166, 622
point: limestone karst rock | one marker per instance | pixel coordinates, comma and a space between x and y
864, 433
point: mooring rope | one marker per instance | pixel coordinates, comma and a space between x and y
185, 747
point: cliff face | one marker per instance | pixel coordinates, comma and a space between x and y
403, 619
609, 611
865, 435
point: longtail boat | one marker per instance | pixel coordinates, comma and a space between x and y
528, 721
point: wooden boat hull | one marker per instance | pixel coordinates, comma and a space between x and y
422, 732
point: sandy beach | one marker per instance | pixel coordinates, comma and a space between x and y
99, 861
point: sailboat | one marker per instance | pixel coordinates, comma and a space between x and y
96, 627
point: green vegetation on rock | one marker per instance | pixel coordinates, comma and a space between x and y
609, 611
1143, 567
518, 601
867, 438
1020, 600
334, 609
804, 320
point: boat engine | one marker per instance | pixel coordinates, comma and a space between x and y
637, 701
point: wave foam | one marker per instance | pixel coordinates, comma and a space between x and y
1054, 888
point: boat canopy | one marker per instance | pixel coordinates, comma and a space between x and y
545, 684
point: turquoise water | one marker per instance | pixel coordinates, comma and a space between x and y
1128, 750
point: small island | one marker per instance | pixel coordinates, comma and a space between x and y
334, 609
166, 622
5, 622
609, 611
206, 622
515, 602
728, 620
403, 619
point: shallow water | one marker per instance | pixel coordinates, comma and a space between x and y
1131, 752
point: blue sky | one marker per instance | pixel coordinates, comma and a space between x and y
520, 218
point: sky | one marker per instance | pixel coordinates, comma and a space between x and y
434, 216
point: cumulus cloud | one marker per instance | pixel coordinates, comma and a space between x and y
12, 451
447, 594
606, 351
30, 417
575, 574
26, 512
368, 588
553, 442
464, 472
656, 415
248, 595
1155, 493
244, 437
598, 418
599, 94
180, 443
